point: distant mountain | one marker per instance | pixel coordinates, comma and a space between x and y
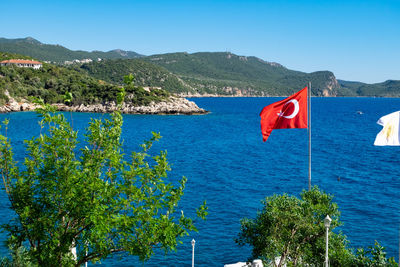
229, 74
57, 53
19, 40
219, 73
146, 74
389, 88
212, 73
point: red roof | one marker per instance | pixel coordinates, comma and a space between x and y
21, 61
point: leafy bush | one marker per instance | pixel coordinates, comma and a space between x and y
292, 230
91, 198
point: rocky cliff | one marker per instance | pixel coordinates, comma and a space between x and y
331, 86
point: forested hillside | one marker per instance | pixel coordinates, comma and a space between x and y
389, 88
52, 82
146, 74
213, 73
227, 73
57, 53
220, 73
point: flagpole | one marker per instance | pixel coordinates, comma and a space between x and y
309, 135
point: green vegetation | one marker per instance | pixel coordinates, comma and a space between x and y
229, 74
388, 88
52, 82
292, 230
212, 73
57, 53
146, 74
91, 199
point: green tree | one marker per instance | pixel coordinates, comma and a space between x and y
92, 199
292, 229
373, 256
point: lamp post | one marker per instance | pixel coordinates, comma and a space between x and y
327, 224
193, 242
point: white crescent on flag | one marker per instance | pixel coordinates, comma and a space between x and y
295, 111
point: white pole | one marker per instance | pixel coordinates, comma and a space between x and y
326, 248
86, 252
327, 224
309, 135
193, 242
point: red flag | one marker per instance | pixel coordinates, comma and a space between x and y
287, 113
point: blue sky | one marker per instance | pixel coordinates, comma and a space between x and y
357, 40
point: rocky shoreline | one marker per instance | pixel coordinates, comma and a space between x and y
172, 106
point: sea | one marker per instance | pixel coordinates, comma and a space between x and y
228, 165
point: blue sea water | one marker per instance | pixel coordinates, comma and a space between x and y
227, 164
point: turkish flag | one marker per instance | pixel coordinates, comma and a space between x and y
287, 113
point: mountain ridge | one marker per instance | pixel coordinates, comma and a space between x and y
200, 73
57, 53
227, 73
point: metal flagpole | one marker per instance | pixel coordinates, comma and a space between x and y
309, 134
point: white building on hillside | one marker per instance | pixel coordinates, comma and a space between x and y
24, 63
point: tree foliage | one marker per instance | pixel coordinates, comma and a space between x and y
373, 256
291, 230
146, 74
289, 227
91, 198
51, 83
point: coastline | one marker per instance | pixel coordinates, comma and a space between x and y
266, 96
171, 106
174, 105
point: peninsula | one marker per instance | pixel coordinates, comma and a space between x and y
23, 79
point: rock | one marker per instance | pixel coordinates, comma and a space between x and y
13, 105
173, 105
